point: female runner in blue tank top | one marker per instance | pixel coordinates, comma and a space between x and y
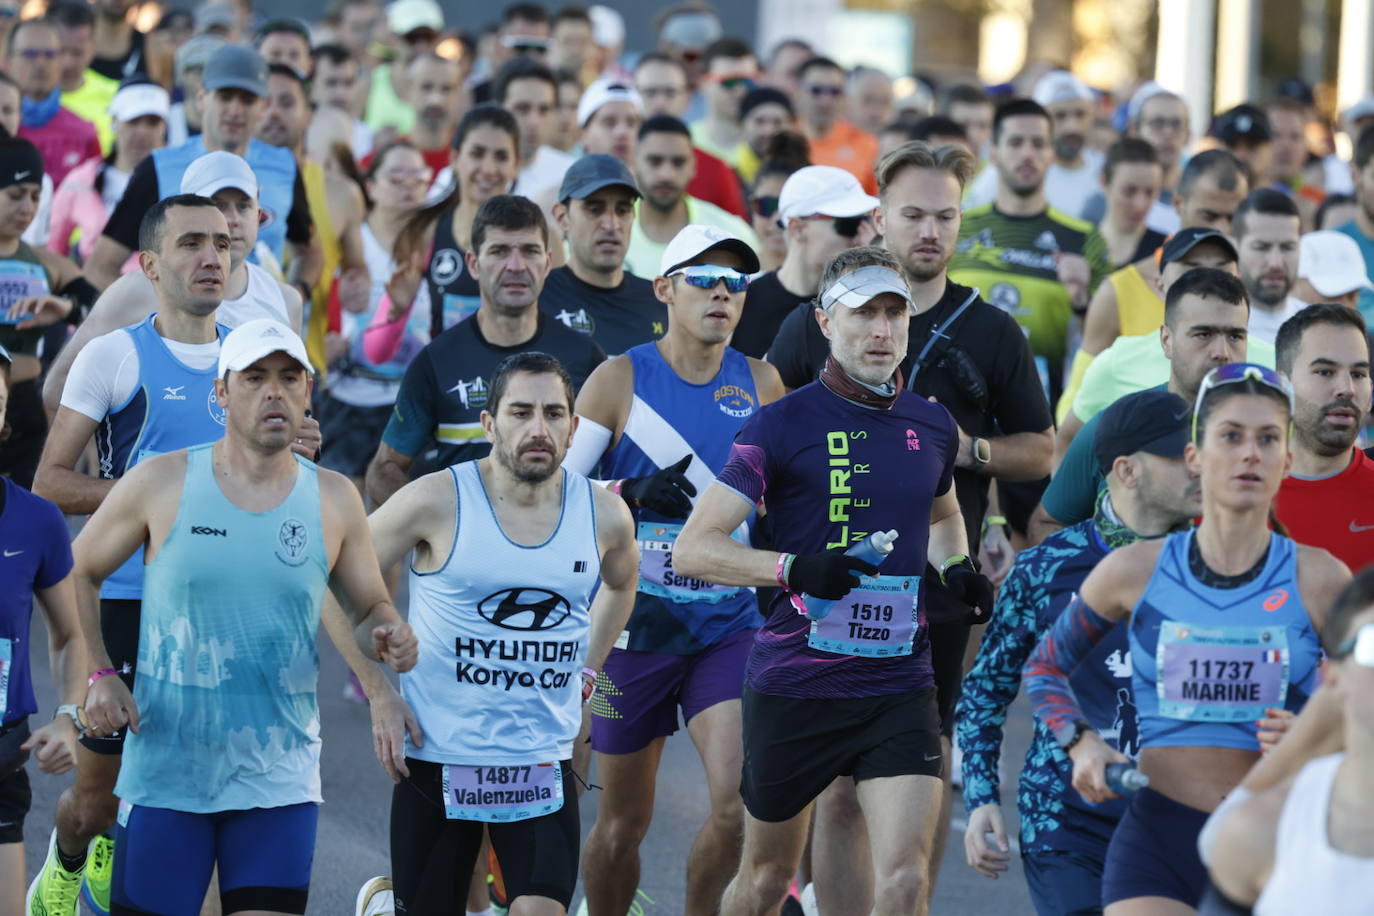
1224, 623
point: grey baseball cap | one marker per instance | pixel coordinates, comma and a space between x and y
591, 173
196, 53
236, 67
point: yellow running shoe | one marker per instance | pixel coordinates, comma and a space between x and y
95, 884
54, 891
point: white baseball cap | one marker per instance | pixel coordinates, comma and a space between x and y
252, 340
217, 171
1148, 90
694, 241
405, 16
823, 190
861, 286
139, 99
1332, 262
608, 26
602, 92
1060, 86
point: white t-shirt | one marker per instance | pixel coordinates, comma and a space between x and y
544, 171
360, 390
105, 373
1068, 190
1264, 323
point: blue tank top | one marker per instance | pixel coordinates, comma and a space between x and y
274, 166
173, 406
227, 665
1208, 661
670, 418
503, 633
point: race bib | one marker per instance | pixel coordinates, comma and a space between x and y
500, 795
876, 620
6, 660
1220, 674
19, 280
657, 576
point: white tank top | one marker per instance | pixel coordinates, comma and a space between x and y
261, 299
1309, 875
503, 634
362, 390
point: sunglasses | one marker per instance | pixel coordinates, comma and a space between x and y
735, 82
1234, 374
845, 226
36, 53
765, 206
708, 276
833, 91
1361, 645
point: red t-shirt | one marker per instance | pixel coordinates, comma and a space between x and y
716, 183
1335, 513
436, 159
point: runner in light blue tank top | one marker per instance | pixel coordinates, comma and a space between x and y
1224, 624
222, 765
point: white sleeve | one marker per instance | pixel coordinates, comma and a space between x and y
588, 445
36, 235
103, 375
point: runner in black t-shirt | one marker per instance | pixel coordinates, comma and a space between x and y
823, 211
982, 372
594, 294
437, 418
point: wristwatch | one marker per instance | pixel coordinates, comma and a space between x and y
980, 452
73, 712
1070, 736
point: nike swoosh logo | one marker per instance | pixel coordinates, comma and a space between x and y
1356, 529
13, 553
20, 176
930, 757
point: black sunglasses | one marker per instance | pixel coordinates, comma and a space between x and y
848, 226
766, 206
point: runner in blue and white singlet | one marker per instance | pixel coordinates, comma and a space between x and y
1223, 628
660, 420
507, 554
243, 536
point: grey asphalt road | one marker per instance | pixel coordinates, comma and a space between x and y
353, 827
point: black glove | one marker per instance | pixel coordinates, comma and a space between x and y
667, 492
972, 588
829, 575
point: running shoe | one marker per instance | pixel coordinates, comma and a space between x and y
637, 908
54, 891
375, 898
95, 881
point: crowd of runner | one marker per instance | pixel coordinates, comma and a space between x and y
600, 392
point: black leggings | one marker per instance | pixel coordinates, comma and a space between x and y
432, 858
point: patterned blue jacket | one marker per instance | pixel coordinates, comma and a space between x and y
1054, 817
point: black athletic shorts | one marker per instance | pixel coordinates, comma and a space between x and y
119, 623
351, 434
794, 748
15, 796
1019, 499
947, 644
432, 857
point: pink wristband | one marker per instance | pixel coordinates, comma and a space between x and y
98, 675
784, 567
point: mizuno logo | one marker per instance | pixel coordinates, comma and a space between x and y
1356, 529
213, 532
174, 394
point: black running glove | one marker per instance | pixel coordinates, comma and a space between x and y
972, 588
667, 492
829, 575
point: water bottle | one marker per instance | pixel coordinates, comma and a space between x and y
872, 549
1124, 778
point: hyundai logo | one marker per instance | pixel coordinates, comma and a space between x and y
525, 609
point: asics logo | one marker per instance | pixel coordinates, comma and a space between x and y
525, 609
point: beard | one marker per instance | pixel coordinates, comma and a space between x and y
1324, 439
527, 471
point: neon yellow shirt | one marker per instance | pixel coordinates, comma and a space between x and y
92, 103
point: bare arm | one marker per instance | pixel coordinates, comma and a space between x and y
54, 744
1243, 857
295, 307
1021, 456
948, 537
705, 550
57, 479
767, 381
307, 262
1321, 577
1102, 324
128, 301
102, 267
1317, 731
1041, 525
615, 599
356, 580
1064, 437
605, 395
387, 472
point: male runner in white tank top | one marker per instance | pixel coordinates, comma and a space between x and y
1307, 844
500, 592
250, 292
